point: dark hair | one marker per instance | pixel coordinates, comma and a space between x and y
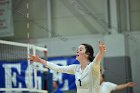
57, 82
89, 51
103, 76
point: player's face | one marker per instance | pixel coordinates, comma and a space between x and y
54, 85
80, 54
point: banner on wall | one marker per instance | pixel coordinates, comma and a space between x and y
16, 75
6, 19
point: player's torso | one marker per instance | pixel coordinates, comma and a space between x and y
82, 78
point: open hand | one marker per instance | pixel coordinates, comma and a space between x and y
34, 58
102, 47
131, 84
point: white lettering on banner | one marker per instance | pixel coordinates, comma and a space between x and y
58, 76
29, 77
9, 78
65, 85
39, 86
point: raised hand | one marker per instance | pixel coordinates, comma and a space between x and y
102, 47
34, 58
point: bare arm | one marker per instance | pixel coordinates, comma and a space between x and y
126, 85
99, 56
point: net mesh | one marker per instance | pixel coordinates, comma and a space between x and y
19, 74
11, 52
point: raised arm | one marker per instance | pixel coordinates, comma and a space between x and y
99, 56
126, 85
102, 49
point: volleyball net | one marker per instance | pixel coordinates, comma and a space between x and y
18, 74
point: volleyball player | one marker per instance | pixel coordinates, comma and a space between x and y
87, 73
108, 87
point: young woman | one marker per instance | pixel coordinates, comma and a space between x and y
87, 73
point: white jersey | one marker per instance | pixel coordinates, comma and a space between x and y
87, 81
107, 87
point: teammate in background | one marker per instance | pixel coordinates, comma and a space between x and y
87, 73
108, 87
55, 87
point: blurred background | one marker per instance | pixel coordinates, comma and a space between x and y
62, 25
